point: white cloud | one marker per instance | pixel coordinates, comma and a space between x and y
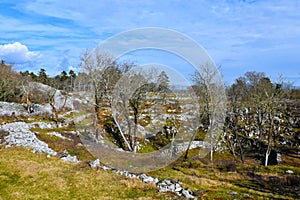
17, 53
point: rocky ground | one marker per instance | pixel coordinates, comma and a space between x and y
19, 133
20, 128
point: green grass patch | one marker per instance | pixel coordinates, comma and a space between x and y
24, 175
146, 148
58, 129
277, 169
47, 137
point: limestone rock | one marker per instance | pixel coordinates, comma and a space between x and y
95, 163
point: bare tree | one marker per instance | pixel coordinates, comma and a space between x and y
208, 89
274, 107
97, 65
101, 73
233, 135
130, 100
27, 93
258, 115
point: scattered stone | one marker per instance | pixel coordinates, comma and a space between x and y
95, 163
289, 171
232, 193
187, 194
246, 195
178, 189
62, 154
173, 186
105, 168
42, 125
59, 135
67, 157
20, 135
142, 176
70, 158
163, 186
148, 179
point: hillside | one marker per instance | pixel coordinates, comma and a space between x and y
27, 175
43, 154
24, 175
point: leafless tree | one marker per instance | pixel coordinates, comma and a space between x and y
101, 73
27, 93
259, 115
209, 91
130, 99
97, 66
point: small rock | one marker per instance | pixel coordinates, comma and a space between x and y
106, 168
148, 179
162, 184
172, 187
178, 189
187, 194
289, 171
232, 193
95, 163
70, 158
246, 195
142, 176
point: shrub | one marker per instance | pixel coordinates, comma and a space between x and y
227, 166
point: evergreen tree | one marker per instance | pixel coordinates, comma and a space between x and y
163, 82
43, 77
63, 76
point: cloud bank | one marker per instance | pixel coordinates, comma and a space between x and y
17, 53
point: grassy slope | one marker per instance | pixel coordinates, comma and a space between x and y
200, 175
24, 175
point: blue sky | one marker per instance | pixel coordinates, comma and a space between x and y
239, 36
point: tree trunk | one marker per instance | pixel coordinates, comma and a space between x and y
242, 155
189, 145
267, 155
122, 134
135, 132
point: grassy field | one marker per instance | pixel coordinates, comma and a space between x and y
222, 178
25, 175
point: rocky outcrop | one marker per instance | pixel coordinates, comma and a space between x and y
60, 100
20, 135
15, 109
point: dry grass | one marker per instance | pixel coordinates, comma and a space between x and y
198, 174
24, 175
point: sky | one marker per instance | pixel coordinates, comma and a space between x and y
239, 35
